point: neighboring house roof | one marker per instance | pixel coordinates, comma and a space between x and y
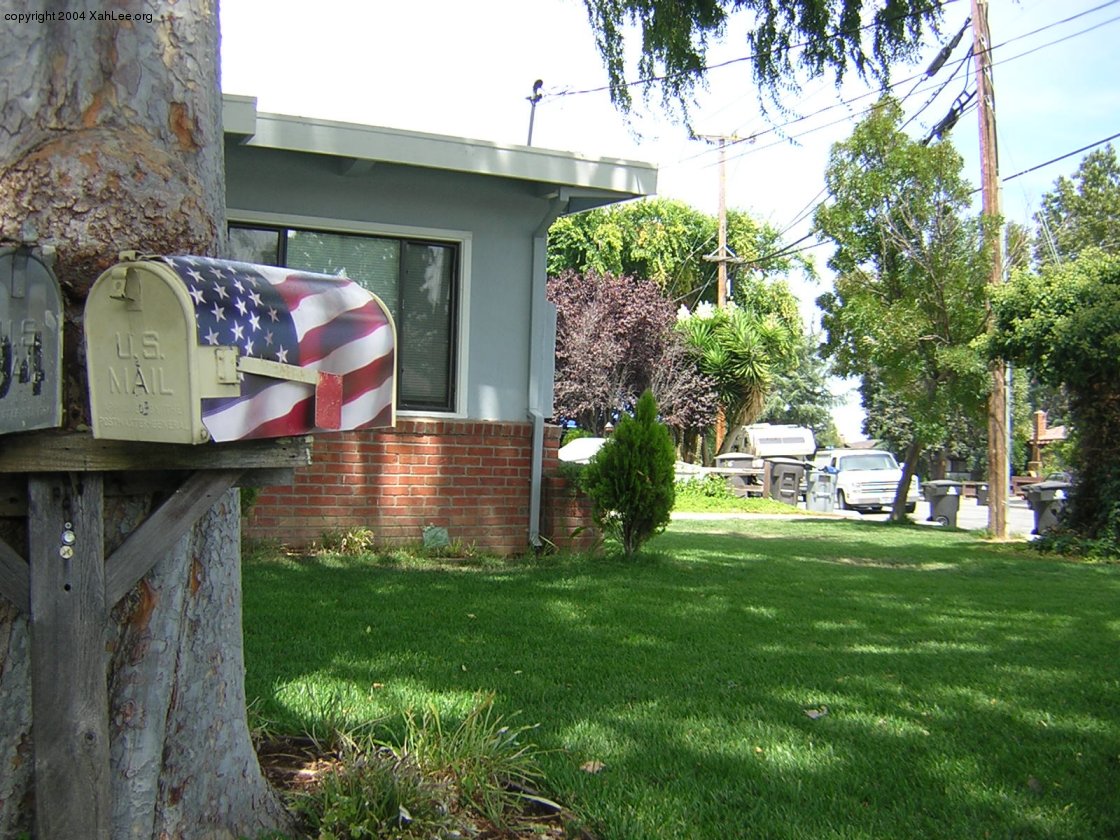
587, 182
1052, 434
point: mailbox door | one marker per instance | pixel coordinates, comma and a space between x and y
141, 356
30, 344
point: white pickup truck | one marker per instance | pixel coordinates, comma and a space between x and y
866, 479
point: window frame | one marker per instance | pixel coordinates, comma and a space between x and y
460, 242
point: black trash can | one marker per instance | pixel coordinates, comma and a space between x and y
785, 479
944, 497
981, 494
1047, 499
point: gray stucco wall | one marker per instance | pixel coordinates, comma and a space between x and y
500, 215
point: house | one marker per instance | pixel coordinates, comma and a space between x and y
451, 234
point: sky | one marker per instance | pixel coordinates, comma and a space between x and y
467, 69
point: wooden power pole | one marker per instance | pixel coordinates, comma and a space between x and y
998, 471
722, 256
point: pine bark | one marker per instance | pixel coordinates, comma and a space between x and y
110, 140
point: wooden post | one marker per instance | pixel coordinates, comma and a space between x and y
998, 471
69, 693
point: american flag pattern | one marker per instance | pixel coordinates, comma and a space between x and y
315, 321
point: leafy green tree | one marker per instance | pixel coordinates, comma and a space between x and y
787, 39
665, 241
630, 480
1064, 323
1081, 212
909, 298
800, 394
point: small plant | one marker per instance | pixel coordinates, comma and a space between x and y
482, 758
710, 486
630, 480
351, 542
376, 792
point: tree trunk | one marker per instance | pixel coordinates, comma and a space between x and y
110, 138
909, 466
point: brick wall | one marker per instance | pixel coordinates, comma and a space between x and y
470, 477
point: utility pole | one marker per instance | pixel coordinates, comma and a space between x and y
722, 256
998, 471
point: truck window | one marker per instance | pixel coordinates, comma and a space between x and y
868, 461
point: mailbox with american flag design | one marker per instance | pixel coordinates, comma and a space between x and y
191, 349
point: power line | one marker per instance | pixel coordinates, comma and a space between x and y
729, 62
919, 76
1061, 157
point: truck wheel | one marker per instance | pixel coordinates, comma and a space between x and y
910, 508
841, 502
942, 520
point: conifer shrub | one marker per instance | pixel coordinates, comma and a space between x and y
630, 480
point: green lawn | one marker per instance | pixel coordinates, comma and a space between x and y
957, 689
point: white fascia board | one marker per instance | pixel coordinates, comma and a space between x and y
622, 178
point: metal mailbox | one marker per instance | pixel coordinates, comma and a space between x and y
192, 349
30, 343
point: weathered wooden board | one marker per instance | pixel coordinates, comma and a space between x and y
69, 692
79, 452
162, 529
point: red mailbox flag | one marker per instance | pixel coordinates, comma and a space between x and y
314, 321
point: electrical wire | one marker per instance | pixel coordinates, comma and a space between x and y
708, 67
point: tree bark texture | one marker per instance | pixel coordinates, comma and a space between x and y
110, 140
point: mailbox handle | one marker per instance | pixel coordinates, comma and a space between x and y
328, 386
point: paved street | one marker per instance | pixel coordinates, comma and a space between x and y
970, 516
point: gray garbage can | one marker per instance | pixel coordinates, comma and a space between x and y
785, 479
981, 494
820, 492
944, 497
1047, 499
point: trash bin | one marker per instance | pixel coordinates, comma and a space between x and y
785, 479
820, 493
981, 494
1047, 499
944, 497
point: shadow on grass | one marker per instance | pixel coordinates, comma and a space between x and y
958, 689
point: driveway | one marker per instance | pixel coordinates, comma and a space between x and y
970, 516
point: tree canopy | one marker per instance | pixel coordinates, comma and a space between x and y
1081, 212
1064, 323
785, 40
665, 241
614, 340
911, 269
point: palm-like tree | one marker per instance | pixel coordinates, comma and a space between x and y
740, 349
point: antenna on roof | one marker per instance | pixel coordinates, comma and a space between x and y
533, 100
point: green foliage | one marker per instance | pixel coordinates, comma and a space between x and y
790, 38
801, 396
351, 542
487, 762
740, 349
376, 793
630, 480
1081, 212
1064, 323
911, 273
440, 778
664, 241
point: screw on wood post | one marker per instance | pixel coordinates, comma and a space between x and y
69, 695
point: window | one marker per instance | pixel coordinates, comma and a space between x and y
417, 280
